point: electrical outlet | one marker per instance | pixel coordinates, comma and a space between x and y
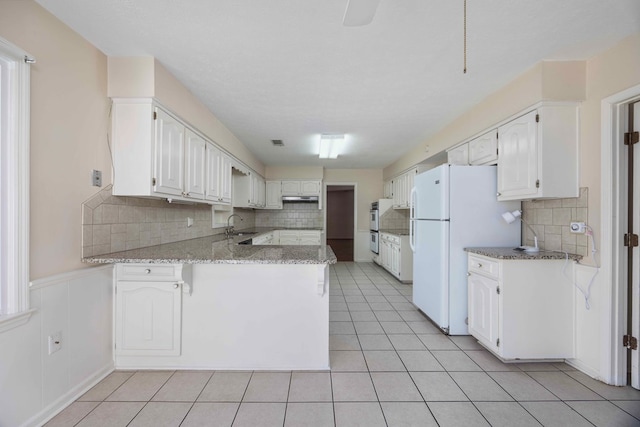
55, 342
189, 221
96, 178
578, 227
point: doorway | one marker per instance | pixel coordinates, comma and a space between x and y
620, 224
340, 220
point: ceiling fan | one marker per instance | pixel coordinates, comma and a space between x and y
359, 12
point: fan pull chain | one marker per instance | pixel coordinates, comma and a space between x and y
464, 71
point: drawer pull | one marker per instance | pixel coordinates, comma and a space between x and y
147, 271
479, 265
176, 285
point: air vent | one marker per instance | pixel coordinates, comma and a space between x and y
277, 143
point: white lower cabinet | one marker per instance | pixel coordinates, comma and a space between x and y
521, 309
395, 256
299, 237
148, 309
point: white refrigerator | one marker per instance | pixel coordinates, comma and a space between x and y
453, 207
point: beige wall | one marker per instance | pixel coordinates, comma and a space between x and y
147, 77
551, 81
69, 119
369, 188
294, 172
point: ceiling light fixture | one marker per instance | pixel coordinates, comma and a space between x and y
330, 146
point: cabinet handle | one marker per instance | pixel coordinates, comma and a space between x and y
176, 285
147, 271
468, 274
479, 265
498, 194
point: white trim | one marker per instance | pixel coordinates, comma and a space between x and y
14, 320
613, 363
355, 212
65, 277
69, 397
16, 234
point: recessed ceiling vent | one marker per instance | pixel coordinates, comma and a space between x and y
277, 143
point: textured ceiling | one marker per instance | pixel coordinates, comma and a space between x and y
288, 69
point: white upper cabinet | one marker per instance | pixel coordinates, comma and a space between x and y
169, 158
301, 188
155, 154
402, 185
538, 154
274, 195
218, 176
195, 148
483, 150
459, 155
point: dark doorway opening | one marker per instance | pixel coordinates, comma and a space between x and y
340, 213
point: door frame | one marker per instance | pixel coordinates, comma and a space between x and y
355, 211
613, 366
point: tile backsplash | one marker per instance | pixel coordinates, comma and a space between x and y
395, 219
551, 220
291, 215
113, 223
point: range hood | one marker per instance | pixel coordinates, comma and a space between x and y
300, 199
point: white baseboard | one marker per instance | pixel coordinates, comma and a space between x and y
68, 398
582, 367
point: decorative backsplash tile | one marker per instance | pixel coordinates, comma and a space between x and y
551, 219
113, 223
291, 215
395, 219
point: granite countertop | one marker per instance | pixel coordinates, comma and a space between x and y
218, 249
510, 253
396, 231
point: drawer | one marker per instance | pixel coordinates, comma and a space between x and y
484, 266
148, 272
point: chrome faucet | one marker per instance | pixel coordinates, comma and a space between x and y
229, 228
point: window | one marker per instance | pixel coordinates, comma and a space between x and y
14, 185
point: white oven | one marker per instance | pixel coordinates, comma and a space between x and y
373, 242
374, 217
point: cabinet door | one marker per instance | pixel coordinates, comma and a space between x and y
169, 161
518, 163
212, 185
274, 195
290, 188
311, 237
459, 155
408, 186
484, 310
395, 260
224, 178
195, 168
388, 190
148, 318
310, 188
484, 149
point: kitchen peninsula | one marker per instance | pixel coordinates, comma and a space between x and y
212, 303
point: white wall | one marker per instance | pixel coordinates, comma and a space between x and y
36, 385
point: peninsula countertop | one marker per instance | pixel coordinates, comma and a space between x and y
218, 249
510, 253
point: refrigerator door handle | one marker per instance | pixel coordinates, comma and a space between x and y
411, 236
412, 204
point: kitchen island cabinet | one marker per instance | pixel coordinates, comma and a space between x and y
271, 312
520, 305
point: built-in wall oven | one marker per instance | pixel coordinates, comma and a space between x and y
374, 220
374, 226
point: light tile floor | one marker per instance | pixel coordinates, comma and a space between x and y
389, 367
